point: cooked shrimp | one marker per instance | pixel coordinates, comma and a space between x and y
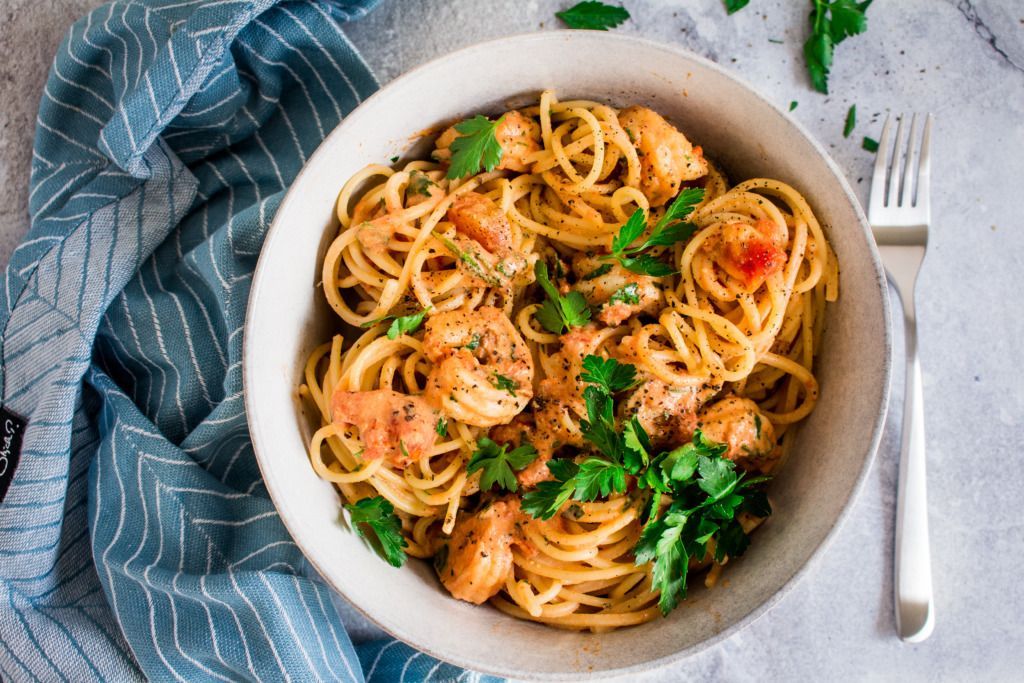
480, 219
618, 292
667, 413
748, 434
392, 425
667, 159
477, 560
518, 136
483, 372
559, 404
375, 235
749, 253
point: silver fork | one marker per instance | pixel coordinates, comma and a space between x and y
900, 212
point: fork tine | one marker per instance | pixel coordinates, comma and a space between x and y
923, 195
892, 187
906, 196
878, 184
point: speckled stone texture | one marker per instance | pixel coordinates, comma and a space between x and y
961, 60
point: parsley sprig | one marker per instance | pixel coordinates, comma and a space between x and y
403, 324
707, 494
498, 463
733, 6
670, 229
704, 491
476, 147
831, 23
594, 15
375, 520
558, 313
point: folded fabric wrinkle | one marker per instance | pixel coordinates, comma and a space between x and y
136, 537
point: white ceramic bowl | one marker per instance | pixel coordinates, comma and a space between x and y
738, 128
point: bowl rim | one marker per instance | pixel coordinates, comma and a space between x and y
277, 230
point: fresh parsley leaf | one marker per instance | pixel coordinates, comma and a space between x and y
793, 105
629, 294
680, 208
394, 159
645, 264
733, 6
505, 384
597, 478
608, 373
851, 121
593, 15
549, 496
831, 23
498, 464
598, 272
869, 144
599, 429
442, 426
476, 147
407, 324
375, 520
474, 343
629, 232
637, 446
558, 312
669, 230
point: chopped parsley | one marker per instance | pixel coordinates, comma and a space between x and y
869, 144
474, 343
505, 384
628, 294
407, 324
602, 269
476, 147
442, 426
831, 23
558, 312
497, 463
593, 15
793, 105
851, 121
732, 6
670, 229
375, 520
394, 158
420, 183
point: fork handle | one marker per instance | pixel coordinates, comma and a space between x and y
915, 609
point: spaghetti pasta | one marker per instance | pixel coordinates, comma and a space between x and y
724, 343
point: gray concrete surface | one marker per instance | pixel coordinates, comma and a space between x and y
962, 60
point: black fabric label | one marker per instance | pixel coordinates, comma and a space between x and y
12, 429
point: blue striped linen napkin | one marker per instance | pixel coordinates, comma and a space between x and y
136, 536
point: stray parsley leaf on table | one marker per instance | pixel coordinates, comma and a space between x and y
498, 463
670, 229
375, 520
733, 6
476, 147
593, 15
558, 312
831, 23
851, 121
407, 324
869, 144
